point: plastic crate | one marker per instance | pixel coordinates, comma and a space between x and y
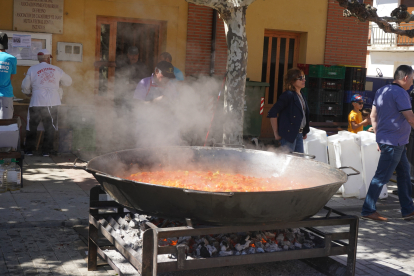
326, 71
326, 118
304, 68
316, 71
327, 84
355, 78
334, 72
325, 109
326, 96
348, 95
305, 93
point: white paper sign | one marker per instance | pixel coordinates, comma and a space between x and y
24, 41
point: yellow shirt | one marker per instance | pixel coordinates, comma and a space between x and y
357, 118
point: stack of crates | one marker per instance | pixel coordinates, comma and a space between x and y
325, 89
355, 79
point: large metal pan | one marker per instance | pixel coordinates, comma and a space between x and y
217, 208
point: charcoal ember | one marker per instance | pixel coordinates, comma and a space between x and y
128, 217
288, 243
259, 245
307, 245
217, 245
272, 247
226, 253
292, 247
163, 242
205, 241
298, 245
240, 247
301, 239
295, 230
280, 238
134, 224
224, 246
211, 249
234, 237
286, 247
260, 250
184, 239
290, 236
251, 250
269, 235
204, 252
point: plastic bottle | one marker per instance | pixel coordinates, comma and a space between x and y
13, 175
3, 185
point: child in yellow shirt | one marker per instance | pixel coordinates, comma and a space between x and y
355, 122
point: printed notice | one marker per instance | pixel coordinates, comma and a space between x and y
41, 16
24, 41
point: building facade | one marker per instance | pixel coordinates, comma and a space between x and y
387, 51
280, 34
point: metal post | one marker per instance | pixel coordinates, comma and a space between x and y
148, 253
93, 231
352, 248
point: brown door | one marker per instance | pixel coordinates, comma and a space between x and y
280, 53
114, 35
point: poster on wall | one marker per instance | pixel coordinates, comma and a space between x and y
41, 16
24, 41
27, 53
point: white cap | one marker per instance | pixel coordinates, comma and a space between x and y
44, 52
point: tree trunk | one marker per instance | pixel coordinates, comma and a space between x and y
235, 20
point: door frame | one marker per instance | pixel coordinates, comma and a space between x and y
266, 128
279, 34
111, 63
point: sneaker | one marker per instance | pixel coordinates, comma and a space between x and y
28, 152
45, 154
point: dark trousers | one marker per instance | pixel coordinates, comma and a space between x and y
47, 115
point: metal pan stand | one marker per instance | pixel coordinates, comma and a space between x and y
145, 260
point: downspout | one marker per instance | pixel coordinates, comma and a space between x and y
213, 43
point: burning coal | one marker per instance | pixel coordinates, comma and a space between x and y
226, 244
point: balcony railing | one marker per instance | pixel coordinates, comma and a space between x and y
377, 36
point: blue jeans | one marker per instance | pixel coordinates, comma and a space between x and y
296, 146
392, 158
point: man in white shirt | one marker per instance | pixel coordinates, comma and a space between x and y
42, 82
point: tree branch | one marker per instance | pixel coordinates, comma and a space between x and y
222, 5
368, 13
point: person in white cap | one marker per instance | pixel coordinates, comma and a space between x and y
42, 83
8, 64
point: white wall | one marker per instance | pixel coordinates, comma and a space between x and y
388, 61
385, 7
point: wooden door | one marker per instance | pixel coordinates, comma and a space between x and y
280, 53
113, 37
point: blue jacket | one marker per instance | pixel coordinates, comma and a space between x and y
288, 110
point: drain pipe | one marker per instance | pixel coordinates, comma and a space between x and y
213, 43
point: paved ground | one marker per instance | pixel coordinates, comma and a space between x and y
36, 237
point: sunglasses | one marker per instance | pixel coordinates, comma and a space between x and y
361, 103
301, 78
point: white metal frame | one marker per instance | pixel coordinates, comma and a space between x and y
46, 36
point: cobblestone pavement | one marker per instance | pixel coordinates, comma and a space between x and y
44, 251
34, 243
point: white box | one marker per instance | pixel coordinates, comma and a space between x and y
9, 136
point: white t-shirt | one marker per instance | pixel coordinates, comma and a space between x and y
42, 80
